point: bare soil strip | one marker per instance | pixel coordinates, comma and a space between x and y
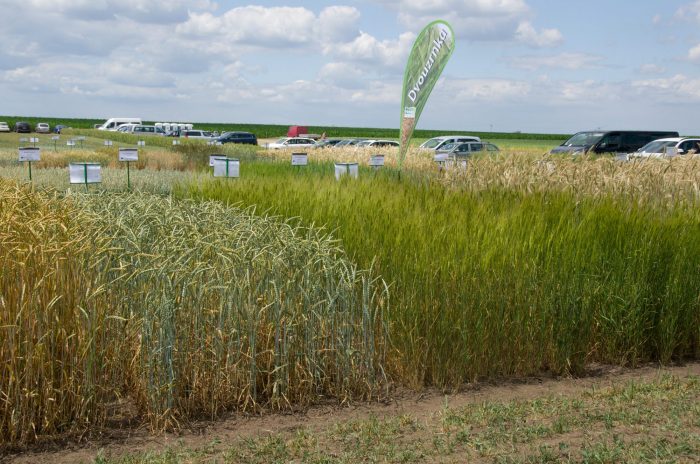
125, 439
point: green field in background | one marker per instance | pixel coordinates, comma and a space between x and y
277, 130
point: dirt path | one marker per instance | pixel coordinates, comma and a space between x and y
419, 405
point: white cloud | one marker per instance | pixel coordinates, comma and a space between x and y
146, 11
478, 90
346, 75
694, 53
588, 92
275, 27
338, 23
651, 68
493, 20
568, 61
690, 11
369, 50
527, 34
679, 88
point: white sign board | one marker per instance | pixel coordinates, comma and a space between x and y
23, 140
70, 143
226, 167
55, 137
300, 159
376, 160
29, 154
213, 158
671, 151
80, 138
85, 173
34, 140
346, 169
108, 143
440, 157
141, 143
128, 154
176, 142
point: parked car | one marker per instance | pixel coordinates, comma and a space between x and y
348, 142
292, 142
668, 147
128, 128
438, 142
147, 130
42, 128
327, 143
600, 142
112, 124
376, 143
23, 126
59, 127
195, 134
238, 137
4, 127
466, 149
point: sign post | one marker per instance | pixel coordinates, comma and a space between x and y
29, 154
128, 155
300, 159
346, 169
55, 139
376, 161
227, 167
85, 173
441, 160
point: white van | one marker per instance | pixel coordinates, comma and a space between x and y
112, 124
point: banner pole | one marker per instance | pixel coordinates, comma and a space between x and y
128, 175
30, 171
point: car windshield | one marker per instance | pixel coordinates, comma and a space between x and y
448, 146
657, 146
364, 143
432, 143
583, 139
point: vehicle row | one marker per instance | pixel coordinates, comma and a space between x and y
25, 127
304, 142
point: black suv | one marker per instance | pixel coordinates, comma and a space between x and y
238, 137
610, 141
21, 126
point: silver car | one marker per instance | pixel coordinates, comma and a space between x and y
466, 149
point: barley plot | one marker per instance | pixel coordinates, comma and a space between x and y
185, 308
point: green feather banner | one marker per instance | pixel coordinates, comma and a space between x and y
429, 55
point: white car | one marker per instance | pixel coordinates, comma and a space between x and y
292, 142
42, 128
667, 147
4, 127
196, 134
376, 143
437, 143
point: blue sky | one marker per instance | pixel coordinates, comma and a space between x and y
519, 65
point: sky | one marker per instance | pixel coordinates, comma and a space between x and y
519, 65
